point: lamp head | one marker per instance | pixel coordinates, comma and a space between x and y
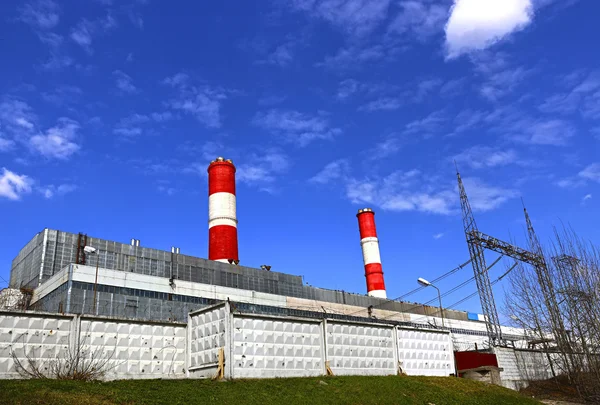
423, 282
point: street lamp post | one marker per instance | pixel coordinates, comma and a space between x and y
91, 250
426, 283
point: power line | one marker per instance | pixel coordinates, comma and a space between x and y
416, 289
473, 294
443, 276
452, 290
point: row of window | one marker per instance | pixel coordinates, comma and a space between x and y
134, 292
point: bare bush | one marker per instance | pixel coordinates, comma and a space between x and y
79, 363
565, 320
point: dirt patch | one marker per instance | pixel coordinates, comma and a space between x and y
555, 391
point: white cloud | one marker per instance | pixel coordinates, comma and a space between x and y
124, 82
389, 146
167, 190
296, 127
484, 197
133, 125
282, 55
58, 141
84, 32
478, 24
382, 104
428, 126
479, 157
347, 88
63, 95
438, 235
52, 191
263, 169
17, 117
41, 14
203, 102
586, 198
419, 18
178, 79
204, 105
57, 62
6, 144
352, 56
356, 17
570, 182
591, 172
501, 83
412, 190
552, 132
336, 170
402, 191
13, 185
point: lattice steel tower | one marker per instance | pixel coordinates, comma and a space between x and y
484, 287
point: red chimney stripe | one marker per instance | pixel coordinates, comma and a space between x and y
374, 276
222, 243
221, 178
366, 225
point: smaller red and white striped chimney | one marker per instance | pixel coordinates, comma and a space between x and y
370, 249
222, 217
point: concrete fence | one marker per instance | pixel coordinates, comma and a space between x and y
521, 366
128, 349
261, 346
253, 345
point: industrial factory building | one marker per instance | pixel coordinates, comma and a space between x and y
79, 274
150, 307
263, 320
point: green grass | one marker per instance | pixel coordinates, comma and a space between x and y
339, 390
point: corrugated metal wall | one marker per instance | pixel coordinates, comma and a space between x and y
60, 249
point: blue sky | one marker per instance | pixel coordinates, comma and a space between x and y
111, 110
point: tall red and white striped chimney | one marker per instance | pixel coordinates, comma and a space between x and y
222, 218
370, 249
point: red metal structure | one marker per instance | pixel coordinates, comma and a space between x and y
371, 256
222, 217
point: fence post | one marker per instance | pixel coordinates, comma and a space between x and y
188, 342
75, 333
324, 346
229, 342
396, 349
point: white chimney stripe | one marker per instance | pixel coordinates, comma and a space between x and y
221, 205
378, 293
370, 251
222, 221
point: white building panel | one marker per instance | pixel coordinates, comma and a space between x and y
360, 349
207, 334
276, 347
135, 350
41, 338
425, 353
